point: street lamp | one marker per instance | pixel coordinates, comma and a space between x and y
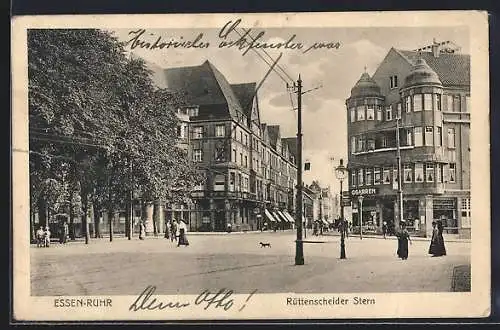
360, 198
340, 173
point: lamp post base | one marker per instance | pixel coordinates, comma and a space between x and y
342, 247
299, 253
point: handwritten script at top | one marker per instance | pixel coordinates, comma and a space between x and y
229, 36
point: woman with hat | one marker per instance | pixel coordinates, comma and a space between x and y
437, 247
403, 239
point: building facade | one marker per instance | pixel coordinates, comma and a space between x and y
249, 170
418, 101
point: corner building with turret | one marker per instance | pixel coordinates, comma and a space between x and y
426, 94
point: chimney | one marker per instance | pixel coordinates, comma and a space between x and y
435, 48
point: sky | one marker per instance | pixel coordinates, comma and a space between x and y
331, 73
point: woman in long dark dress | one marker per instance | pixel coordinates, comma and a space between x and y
182, 234
403, 239
437, 247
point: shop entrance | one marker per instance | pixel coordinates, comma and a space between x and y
446, 211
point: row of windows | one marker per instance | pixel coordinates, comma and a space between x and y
417, 172
415, 103
410, 136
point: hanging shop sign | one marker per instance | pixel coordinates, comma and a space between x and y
364, 192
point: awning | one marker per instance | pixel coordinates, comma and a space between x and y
285, 219
290, 218
276, 216
269, 216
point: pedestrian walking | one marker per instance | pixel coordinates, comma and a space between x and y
47, 237
182, 234
142, 230
40, 237
167, 229
384, 228
173, 231
65, 232
229, 227
437, 248
403, 239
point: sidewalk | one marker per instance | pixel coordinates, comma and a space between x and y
380, 236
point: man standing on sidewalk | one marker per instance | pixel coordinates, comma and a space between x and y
384, 228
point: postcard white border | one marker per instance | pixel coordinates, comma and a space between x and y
267, 306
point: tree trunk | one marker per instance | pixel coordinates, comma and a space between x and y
42, 212
85, 223
156, 217
32, 226
71, 218
144, 216
127, 220
110, 221
97, 213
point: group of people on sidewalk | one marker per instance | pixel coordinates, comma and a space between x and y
176, 231
436, 248
43, 235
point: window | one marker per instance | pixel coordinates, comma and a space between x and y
418, 136
376, 176
467, 104
361, 112
465, 213
246, 139
387, 175
388, 113
393, 81
241, 158
407, 172
427, 102
408, 104
353, 115
219, 182
353, 144
456, 103
452, 155
428, 136
369, 178
409, 136
451, 138
370, 113
220, 130
193, 112
394, 178
353, 178
371, 144
361, 143
360, 177
429, 172
241, 136
379, 112
234, 156
439, 137
246, 161
452, 173
197, 155
449, 103
439, 173
437, 102
197, 132
398, 115
419, 172
417, 102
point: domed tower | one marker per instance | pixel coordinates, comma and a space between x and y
364, 111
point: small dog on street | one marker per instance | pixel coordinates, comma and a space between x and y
265, 244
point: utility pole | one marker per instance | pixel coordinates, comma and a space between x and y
299, 247
400, 190
131, 197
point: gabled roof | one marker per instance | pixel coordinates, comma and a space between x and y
292, 145
204, 85
452, 69
274, 134
245, 93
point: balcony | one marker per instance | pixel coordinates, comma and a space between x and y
373, 151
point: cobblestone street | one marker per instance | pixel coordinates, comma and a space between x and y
236, 261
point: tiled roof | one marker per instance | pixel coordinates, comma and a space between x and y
204, 85
245, 94
452, 69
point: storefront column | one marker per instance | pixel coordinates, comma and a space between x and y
425, 212
212, 214
149, 219
380, 215
227, 205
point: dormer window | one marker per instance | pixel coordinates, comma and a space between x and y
393, 80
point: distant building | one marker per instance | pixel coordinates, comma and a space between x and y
249, 170
429, 89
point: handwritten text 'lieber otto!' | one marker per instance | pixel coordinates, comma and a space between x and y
222, 300
230, 36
